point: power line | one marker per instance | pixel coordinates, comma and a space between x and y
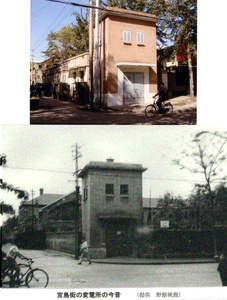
43, 11
43, 37
179, 179
78, 4
37, 169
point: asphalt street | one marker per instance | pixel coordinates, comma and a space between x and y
52, 111
64, 272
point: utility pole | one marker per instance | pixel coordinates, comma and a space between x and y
78, 220
33, 193
96, 59
91, 52
32, 63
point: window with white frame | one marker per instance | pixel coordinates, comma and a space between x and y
140, 38
127, 36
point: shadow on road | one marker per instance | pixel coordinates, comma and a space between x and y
56, 112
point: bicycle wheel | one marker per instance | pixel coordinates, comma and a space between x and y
150, 110
37, 278
168, 107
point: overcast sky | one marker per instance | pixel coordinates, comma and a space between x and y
42, 157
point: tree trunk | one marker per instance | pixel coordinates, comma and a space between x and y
191, 79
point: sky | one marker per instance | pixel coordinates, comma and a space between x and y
42, 156
46, 16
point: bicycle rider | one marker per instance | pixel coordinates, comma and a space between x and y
162, 94
11, 256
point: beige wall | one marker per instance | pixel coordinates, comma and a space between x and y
113, 50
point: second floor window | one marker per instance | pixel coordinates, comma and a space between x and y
109, 189
124, 189
127, 36
140, 38
109, 192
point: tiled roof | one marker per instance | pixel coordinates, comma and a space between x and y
46, 199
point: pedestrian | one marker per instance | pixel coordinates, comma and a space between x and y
162, 94
222, 268
84, 252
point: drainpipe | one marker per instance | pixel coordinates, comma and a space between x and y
96, 59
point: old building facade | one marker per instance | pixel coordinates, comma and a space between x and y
111, 206
29, 217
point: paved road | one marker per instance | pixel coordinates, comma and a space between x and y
64, 272
58, 112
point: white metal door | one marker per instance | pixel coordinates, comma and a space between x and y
133, 87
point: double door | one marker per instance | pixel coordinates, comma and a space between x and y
133, 87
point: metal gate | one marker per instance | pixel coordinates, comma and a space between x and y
133, 87
117, 239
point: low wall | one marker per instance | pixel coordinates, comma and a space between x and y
97, 252
62, 241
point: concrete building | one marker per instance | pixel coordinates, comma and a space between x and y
127, 47
36, 72
111, 206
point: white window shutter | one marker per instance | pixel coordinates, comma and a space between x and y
126, 36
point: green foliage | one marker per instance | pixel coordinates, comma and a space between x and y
69, 41
137, 5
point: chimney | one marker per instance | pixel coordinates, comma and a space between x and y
41, 191
110, 160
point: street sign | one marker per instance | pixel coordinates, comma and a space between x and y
164, 224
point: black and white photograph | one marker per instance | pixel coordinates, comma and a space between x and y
113, 150
114, 207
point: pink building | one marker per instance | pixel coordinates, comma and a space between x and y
127, 45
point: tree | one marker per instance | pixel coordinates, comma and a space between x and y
201, 207
9, 187
171, 208
9, 226
69, 41
182, 22
6, 208
137, 5
207, 156
21, 193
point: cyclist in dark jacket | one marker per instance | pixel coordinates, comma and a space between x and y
163, 95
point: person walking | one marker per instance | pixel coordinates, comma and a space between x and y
84, 252
222, 268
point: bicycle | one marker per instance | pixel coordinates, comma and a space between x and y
153, 109
32, 278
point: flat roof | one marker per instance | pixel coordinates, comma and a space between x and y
126, 13
111, 165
